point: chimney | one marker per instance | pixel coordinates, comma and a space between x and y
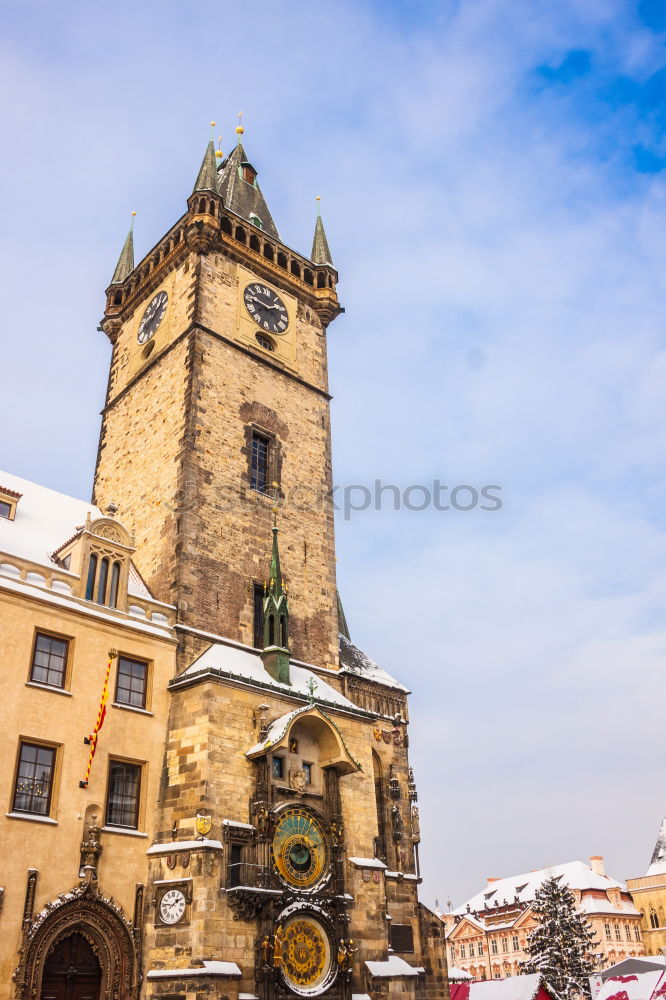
597, 864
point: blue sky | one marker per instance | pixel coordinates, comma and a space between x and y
492, 175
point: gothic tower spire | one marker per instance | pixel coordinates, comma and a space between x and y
321, 253
275, 653
207, 176
125, 263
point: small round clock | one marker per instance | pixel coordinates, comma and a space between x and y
172, 906
152, 317
300, 848
266, 308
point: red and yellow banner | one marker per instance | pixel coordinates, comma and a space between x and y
101, 715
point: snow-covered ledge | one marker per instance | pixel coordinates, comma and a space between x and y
214, 968
172, 846
393, 966
367, 863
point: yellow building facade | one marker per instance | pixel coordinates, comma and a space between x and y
208, 790
649, 895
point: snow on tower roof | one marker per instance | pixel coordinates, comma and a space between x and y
522, 888
658, 863
45, 520
355, 661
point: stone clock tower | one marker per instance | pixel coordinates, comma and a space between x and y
285, 858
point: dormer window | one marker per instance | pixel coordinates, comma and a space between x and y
8, 502
248, 173
256, 221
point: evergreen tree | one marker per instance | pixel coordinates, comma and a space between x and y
562, 944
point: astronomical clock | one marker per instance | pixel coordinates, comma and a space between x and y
290, 874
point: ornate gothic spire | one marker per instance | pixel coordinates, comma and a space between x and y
275, 653
125, 263
321, 253
207, 176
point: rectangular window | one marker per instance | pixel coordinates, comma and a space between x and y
235, 863
516, 943
278, 767
627, 932
608, 931
401, 937
258, 616
505, 945
49, 660
463, 953
122, 806
618, 935
637, 932
453, 953
493, 946
471, 949
259, 464
34, 779
5, 509
131, 683
307, 771
480, 948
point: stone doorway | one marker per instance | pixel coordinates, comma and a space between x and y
71, 971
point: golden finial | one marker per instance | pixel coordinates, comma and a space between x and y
218, 152
133, 215
318, 199
239, 127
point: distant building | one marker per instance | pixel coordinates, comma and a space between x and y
649, 895
486, 936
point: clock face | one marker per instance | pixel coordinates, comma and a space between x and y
172, 906
300, 849
266, 308
152, 317
306, 955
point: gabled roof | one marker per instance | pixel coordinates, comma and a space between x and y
521, 888
45, 520
241, 197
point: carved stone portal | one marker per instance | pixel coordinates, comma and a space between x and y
101, 922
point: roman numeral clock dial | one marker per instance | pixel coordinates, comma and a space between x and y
152, 317
266, 308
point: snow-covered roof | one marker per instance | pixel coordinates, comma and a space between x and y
245, 663
512, 988
575, 874
44, 521
355, 661
635, 986
458, 973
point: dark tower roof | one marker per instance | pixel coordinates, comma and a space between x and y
125, 263
207, 176
320, 250
241, 196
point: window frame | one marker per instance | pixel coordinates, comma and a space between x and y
69, 643
259, 435
140, 767
55, 775
145, 707
276, 759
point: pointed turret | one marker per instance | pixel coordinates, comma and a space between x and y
320, 250
125, 263
237, 184
275, 653
207, 176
